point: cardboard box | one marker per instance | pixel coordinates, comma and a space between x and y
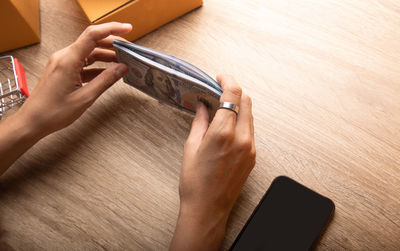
19, 23
144, 15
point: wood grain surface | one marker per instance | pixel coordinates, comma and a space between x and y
325, 81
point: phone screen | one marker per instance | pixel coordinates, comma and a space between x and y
290, 216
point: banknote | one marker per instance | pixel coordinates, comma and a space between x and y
167, 79
171, 62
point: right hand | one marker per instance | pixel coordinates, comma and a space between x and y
217, 161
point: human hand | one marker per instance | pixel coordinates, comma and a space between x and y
217, 161
60, 96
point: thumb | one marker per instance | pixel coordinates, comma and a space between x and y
199, 124
103, 81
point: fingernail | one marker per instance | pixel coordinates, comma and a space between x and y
120, 70
127, 25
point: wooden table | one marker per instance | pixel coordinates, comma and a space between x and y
325, 81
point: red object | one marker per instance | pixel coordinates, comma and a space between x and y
21, 78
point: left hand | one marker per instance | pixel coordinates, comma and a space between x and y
60, 96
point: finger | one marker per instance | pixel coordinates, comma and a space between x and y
87, 41
231, 92
103, 55
108, 41
89, 74
199, 124
244, 124
92, 90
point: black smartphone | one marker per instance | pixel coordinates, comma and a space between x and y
290, 216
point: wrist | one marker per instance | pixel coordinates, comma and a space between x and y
25, 127
16, 137
199, 229
207, 216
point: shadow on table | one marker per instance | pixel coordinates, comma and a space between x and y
106, 112
31, 169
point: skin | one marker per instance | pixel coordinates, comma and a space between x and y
217, 160
218, 157
60, 97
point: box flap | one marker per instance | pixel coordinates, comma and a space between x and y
95, 9
148, 15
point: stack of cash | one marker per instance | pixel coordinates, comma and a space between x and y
167, 78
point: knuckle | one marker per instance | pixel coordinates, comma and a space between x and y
55, 57
95, 53
225, 135
244, 145
72, 48
69, 58
58, 61
253, 154
62, 62
235, 90
90, 31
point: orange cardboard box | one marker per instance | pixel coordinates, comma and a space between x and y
144, 15
19, 23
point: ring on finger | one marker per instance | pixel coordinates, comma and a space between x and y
229, 106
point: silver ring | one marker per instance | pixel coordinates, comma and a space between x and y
229, 106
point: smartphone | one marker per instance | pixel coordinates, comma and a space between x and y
290, 216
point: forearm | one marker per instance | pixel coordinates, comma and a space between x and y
197, 231
16, 137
